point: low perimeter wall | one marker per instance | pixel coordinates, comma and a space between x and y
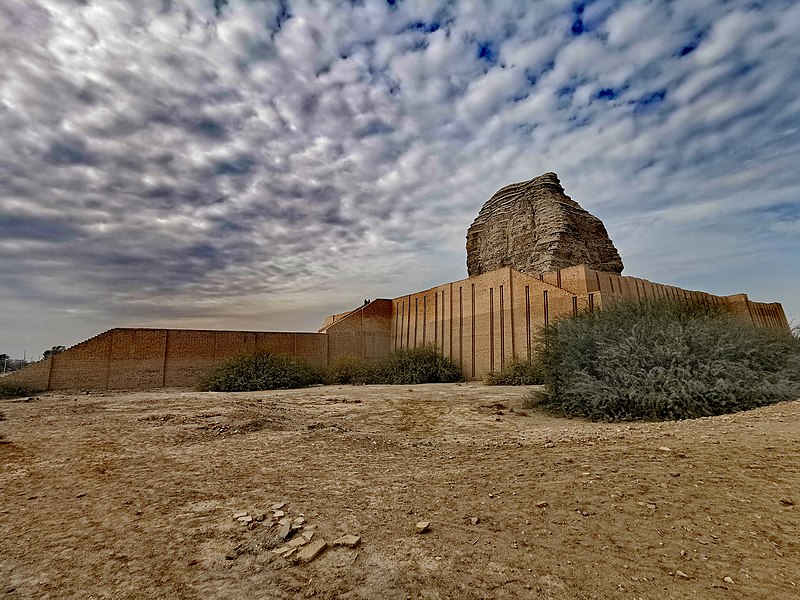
151, 358
126, 358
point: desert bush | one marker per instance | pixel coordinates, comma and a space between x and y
10, 390
518, 372
351, 370
424, 364
260, 370
664, 360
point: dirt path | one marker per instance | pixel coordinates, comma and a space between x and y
132, 495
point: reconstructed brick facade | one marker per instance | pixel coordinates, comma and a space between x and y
480, 322
483, 321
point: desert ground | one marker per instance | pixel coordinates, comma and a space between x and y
133, 494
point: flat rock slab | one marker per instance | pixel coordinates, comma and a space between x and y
311, 551
348, 541
283, 530
297, 541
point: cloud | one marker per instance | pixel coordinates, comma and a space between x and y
227, 163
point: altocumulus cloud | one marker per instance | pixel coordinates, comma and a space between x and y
258, 164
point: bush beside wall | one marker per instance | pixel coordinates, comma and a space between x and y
15, 390
260, 370
267, 371
519, 372
665, 360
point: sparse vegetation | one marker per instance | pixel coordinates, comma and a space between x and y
260, 370
518, 372
664, 360
351, 370
424, 364
10, 390
267, 371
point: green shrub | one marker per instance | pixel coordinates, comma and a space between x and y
664, 360
260, 370
351, 370
10, 390
424, 364
518, 372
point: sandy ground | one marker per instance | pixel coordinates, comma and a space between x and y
132, 495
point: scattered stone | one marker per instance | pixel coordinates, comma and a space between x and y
284, 527
541, 504
299, 521
277, 506
549, 444
239, 515
423, 526
246, 519
297, 541
280, 550
474, 520
787, 502
727, 579
665, 449
348, 541
260, 517
681, 574
651, 505
308, 534
311, 551
278, 514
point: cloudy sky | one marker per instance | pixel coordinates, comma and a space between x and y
260, 164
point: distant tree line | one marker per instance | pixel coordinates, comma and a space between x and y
8, 364
53, 351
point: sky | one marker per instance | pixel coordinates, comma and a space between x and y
258, 165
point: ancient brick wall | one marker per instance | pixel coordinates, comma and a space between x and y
582, 279
152, 358
34, 376
364, 332
483, 321
479, 322
79, 366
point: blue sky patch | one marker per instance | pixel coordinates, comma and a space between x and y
487, 51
